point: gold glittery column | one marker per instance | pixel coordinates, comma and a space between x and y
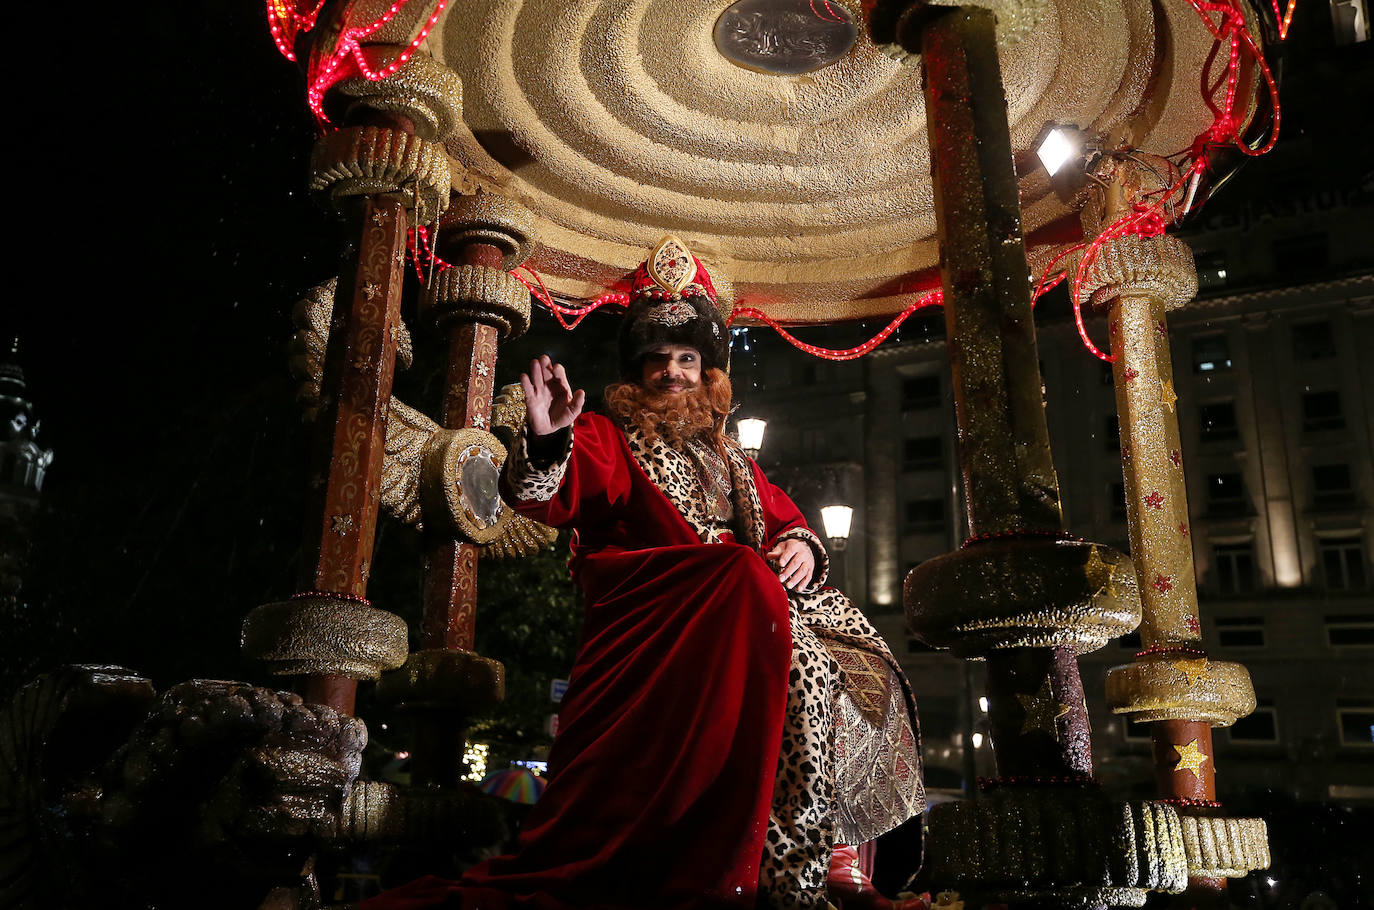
1151, 457
1172, 684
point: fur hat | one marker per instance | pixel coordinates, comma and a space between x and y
672, 301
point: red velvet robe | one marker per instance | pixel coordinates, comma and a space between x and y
663, 768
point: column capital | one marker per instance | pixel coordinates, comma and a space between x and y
1132, 265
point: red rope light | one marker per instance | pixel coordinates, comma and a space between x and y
286, 20
930, 298
327, 71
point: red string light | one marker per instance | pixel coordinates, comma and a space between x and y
833, 17
327, 70
286, 20
930, 298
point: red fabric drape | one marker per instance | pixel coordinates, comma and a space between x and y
662, 772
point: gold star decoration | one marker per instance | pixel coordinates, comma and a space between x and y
1099, 573
1042, 711
483, 369
1192, 670
370, 290
1167, 393
341, 524
1190, 757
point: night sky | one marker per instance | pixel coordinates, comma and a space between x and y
165, 236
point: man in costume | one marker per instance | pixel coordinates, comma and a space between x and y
728, 718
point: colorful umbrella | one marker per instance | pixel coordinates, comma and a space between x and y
519, 785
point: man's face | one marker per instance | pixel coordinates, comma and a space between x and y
671, 368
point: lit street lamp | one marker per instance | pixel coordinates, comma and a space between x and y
836, 519
750, 431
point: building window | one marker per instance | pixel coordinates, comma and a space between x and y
1350, 630
923, 453
1260, 726
1225, 494
1117, 494
1111, 433
1217, 421
1356, 722
1350, 21
1331, 485
1240, 631
1322, 411
921, 392
925, 514
1342, 562
1233, 567
1313, 341
1211, 269
1211, 354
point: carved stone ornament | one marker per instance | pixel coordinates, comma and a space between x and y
1160, 687
373, 161
485, 217
1070, 848
427, 93
479, 293
445, 679
1225, 847
1160, 267
320, 634
1028, 592
459, 478
785, 37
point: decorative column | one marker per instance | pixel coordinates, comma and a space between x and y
473, 304
382, 171
1172, 684
1020, 593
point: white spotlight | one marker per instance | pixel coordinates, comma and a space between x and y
1056, 149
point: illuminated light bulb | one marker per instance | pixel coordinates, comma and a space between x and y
837, 519
977, 740
1056, 150
983, 703
750, 431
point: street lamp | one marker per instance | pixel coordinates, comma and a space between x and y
836, 519
750, 431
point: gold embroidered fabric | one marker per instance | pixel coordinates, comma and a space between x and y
877, 758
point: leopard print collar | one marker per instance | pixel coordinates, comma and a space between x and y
675, 474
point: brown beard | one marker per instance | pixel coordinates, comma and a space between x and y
675, 417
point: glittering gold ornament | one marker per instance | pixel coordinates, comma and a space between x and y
1155, 687
1224, 847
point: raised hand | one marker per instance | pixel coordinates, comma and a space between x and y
550, 402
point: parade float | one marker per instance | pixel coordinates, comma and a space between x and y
831, 161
